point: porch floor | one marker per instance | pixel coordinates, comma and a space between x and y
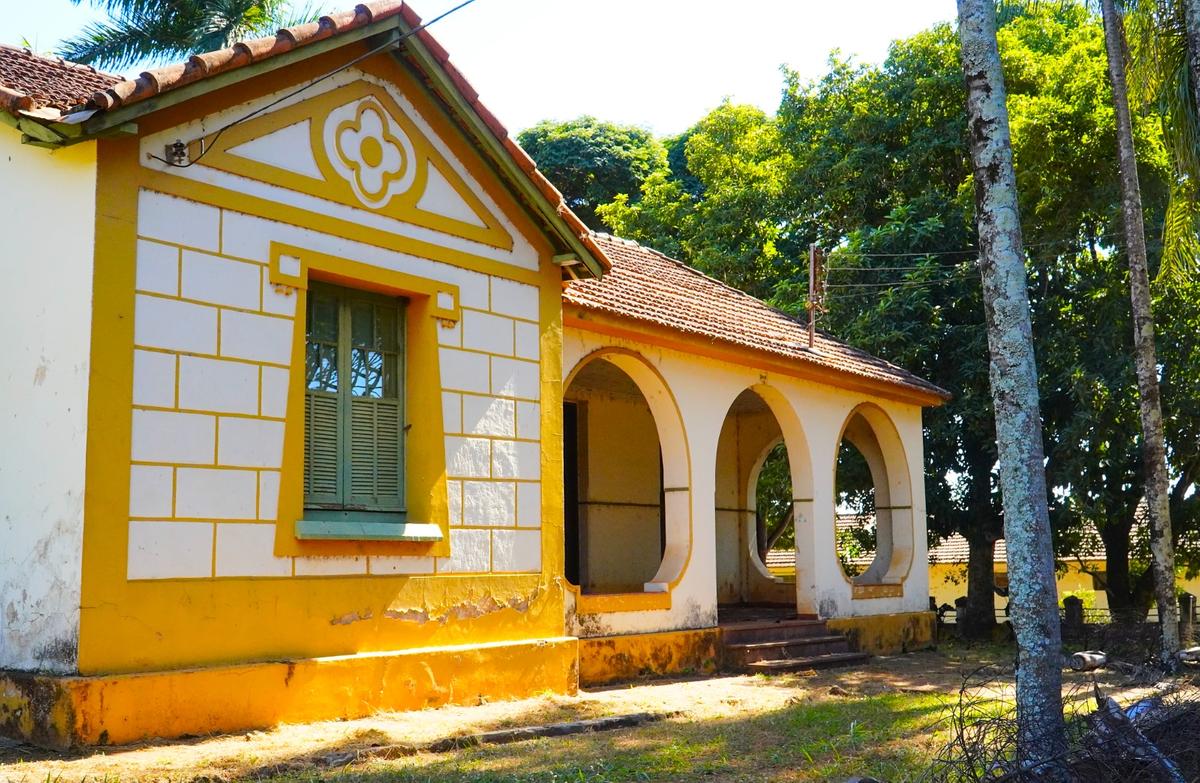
738, 614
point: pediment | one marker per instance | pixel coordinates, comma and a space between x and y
355, 146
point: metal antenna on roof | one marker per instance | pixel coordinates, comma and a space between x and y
816, 290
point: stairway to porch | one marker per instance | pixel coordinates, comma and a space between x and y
775, 639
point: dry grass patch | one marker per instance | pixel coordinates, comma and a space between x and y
880, 718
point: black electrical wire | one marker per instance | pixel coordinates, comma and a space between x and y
371, 53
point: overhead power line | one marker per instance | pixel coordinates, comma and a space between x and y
181, 149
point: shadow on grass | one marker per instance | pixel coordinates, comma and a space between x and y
879, 735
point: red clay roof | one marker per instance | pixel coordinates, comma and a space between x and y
45, 88
30, 82
647, 286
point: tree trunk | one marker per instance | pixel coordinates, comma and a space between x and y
1154, 457
980, 617
1118, 582
1191, 21
1033, 596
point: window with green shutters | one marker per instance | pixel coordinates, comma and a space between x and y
353, 410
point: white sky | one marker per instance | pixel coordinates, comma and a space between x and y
657, 63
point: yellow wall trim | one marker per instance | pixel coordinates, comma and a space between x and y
64, 712
605, 659
620, 602
887, 634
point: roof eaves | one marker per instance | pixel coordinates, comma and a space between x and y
815, 369
453, 88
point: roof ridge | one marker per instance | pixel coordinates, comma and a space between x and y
704, 305
249, 50
734, 289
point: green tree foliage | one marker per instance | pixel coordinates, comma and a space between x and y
1164, 76
594, 162
158, 31
873, 162
722, 216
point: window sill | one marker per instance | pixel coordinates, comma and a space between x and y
366, 527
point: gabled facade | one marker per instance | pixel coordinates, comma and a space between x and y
284, 419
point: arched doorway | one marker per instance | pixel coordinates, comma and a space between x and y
625, 467
763, 486
873, 498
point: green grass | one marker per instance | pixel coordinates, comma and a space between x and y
890, 736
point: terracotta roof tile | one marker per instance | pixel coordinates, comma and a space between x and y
29, 82
647, 286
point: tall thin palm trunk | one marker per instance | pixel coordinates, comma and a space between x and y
1191, 22
1154, 457
1033, 595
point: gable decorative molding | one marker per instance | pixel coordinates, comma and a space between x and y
357, 147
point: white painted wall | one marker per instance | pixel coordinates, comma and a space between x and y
47, 217
703, 390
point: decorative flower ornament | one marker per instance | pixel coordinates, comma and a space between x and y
371, 152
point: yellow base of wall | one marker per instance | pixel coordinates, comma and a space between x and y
67, 711
887, 634
605, 659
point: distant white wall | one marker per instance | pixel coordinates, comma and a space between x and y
47, 219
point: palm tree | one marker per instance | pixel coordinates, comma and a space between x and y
1164, 74
165, 30
1154, 456
1033, 596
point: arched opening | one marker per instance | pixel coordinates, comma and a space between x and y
625, 474
874, 531
854, 491
762, 488
774, 511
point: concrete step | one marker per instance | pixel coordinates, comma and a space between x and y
827, 661
805, 647
768, 631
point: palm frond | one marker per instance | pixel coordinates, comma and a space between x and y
290, 15
162, 30
1161, 81
124, 41
1181, 235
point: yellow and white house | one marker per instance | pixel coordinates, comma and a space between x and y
296, 334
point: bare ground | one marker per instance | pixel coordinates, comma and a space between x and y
882, 717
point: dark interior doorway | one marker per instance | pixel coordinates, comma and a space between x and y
571, 489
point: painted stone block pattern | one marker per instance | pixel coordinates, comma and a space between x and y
212, 367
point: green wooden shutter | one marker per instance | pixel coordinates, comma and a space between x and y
354, 415
375, 454
321, 454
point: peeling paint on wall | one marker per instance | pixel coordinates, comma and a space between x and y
464, 610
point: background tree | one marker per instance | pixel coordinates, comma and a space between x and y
876, 167
593, 162
1153, 444
723, 213
162, 30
